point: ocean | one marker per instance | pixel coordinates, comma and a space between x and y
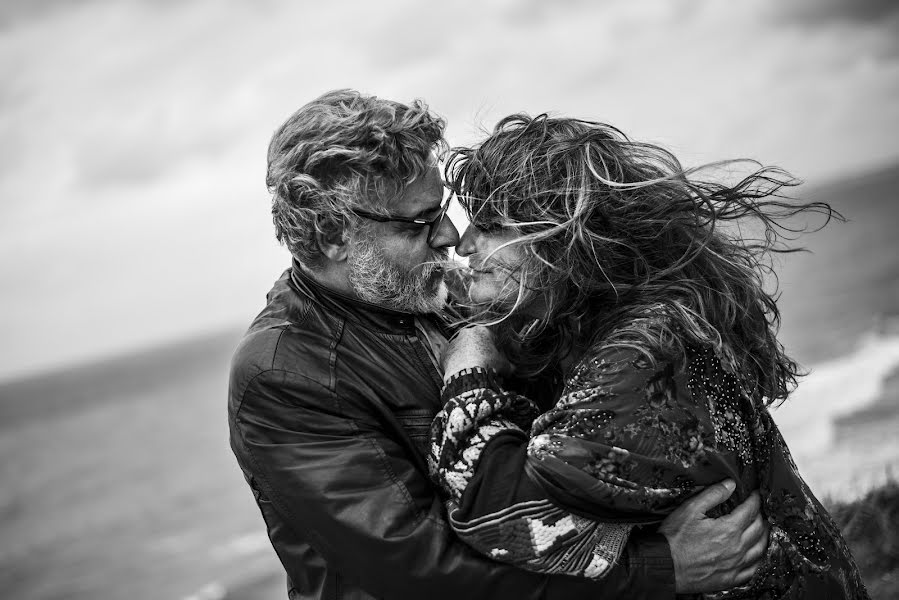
118, 482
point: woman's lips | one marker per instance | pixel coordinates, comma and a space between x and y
479, 268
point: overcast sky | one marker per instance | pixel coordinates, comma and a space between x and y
132, 200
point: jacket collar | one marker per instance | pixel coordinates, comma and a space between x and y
358, 311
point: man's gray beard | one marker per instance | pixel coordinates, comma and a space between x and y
376, 280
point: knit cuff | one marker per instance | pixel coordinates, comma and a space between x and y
470, 379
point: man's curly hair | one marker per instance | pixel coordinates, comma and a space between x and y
615, 230
345, 150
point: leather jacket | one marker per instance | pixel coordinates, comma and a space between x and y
330, 405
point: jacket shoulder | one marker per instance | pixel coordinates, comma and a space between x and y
290, 347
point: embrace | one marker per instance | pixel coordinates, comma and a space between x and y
581, 412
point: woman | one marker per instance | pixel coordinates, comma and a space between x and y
644, 351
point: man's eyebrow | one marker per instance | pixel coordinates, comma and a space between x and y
424, 212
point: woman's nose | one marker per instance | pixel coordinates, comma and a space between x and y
467, 245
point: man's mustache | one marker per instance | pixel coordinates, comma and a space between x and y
438, 261
437, 258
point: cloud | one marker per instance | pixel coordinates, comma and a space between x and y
876, 21
867, 12
132, 169
17, 13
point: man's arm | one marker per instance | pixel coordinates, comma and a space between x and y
337, 480
715, 554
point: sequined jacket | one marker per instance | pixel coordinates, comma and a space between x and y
628, 441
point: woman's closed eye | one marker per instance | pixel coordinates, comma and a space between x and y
489, 227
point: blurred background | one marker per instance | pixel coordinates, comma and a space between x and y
136, 240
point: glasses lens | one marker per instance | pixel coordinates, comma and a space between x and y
435, 224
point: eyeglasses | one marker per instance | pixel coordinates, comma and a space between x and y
432, 224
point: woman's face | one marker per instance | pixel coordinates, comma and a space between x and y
493, 262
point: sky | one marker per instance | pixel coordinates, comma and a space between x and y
133, 207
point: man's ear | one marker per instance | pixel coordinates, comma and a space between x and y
331, 241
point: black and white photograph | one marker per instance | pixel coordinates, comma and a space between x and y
506, 300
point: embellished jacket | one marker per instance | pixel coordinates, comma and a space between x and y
627, 442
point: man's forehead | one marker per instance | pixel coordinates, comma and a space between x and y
424, 194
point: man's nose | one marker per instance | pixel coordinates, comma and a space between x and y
447, 234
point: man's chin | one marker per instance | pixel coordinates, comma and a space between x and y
416, 292
441, 294
435, 279
434, 296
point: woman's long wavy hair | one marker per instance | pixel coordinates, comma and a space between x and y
625, 247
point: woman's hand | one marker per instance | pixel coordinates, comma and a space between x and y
473, 346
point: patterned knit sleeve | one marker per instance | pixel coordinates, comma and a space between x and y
478, 458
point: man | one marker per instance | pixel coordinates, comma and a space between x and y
334, 387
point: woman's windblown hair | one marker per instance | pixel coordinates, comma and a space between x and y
617, 233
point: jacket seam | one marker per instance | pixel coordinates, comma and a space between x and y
250, 381
393, 477
332, 357
274, 356
425, 361
435, 520
262, 369
382, 457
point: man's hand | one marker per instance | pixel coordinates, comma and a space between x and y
715, 554
473, 346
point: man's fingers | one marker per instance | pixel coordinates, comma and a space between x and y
710, 497
760, 548
756, 552
757, 535
754, 532
744, 514
753, 559
746, 574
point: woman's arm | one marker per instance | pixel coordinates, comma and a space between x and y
479, 456
563, 496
